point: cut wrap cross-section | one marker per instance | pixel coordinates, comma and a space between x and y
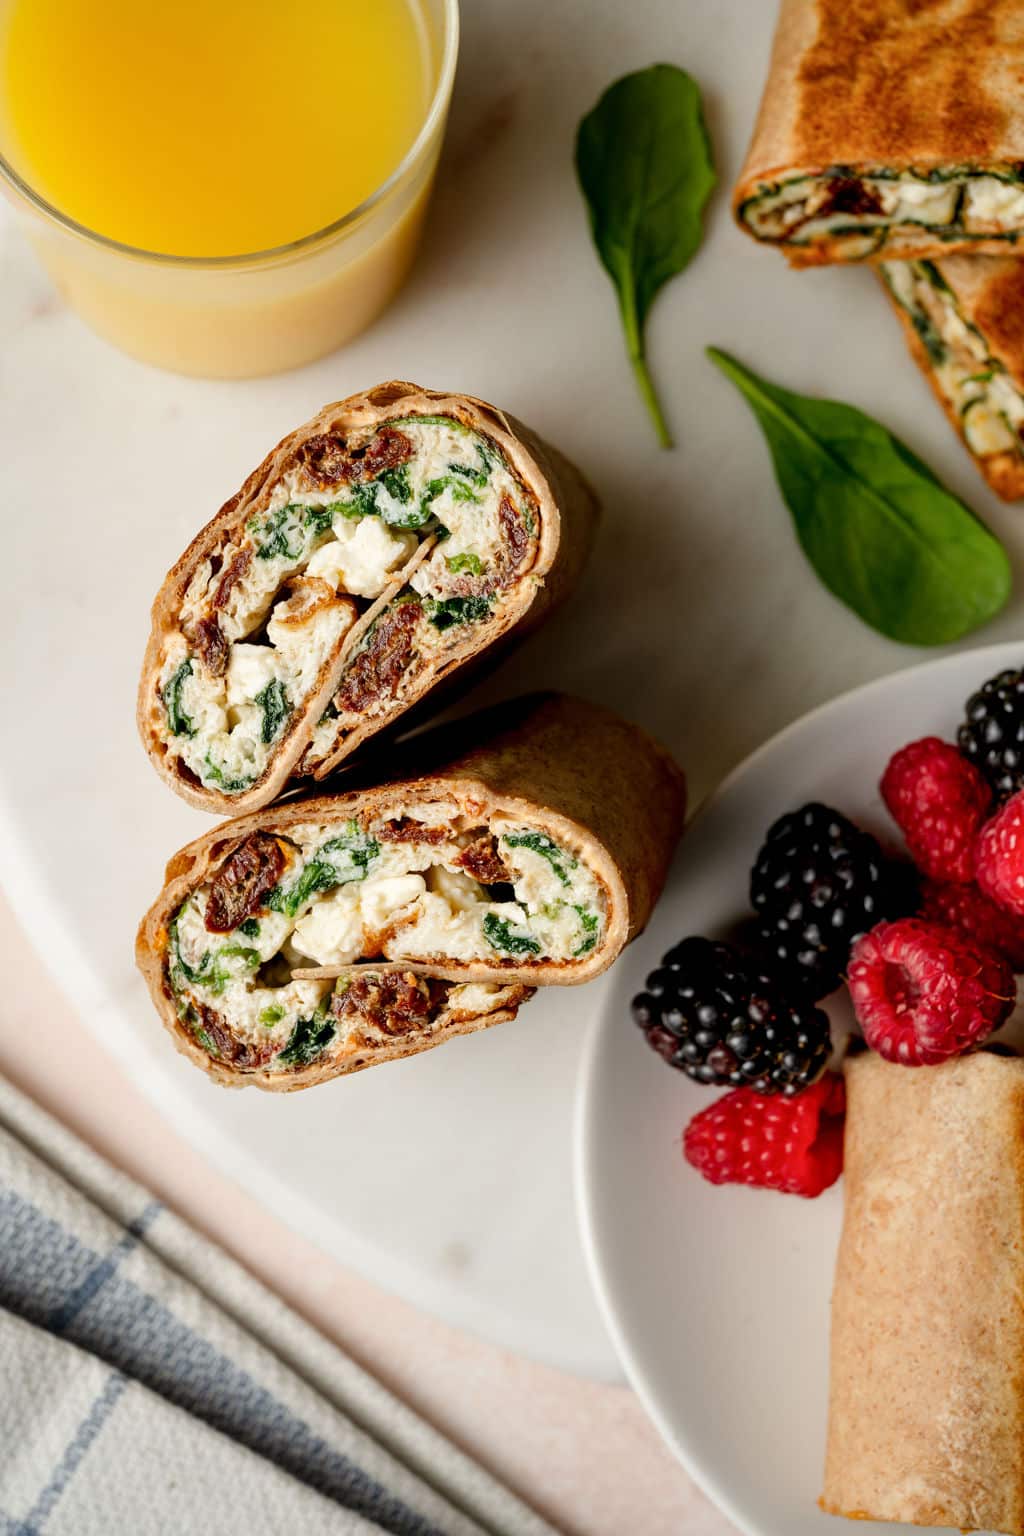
330, 933
391, 540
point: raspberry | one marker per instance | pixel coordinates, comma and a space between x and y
793, 1145
923, 992
968, 909
721, 1022
999, 856
938, 800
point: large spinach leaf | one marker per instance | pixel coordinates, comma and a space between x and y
879, 529
643, 159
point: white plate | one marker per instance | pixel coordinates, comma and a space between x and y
717, 1298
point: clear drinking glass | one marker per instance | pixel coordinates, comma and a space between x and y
238, 316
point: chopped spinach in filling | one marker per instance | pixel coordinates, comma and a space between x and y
336, 862
308, 1041
457, 610
881, 207
178, 723
499, 934
974, 384
353, 895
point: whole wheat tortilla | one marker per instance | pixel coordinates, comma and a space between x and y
894, 85
926, 1416
595, 783
989, 292
567, 510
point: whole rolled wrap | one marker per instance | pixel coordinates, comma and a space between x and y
328, 934
964, 323
889, 127
926, 1415
396, 537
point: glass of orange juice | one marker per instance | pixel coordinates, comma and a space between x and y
225, 187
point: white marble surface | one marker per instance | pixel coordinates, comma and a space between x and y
448, 1178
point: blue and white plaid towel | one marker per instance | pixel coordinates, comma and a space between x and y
148, 1384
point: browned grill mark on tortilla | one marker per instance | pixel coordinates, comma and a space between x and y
405, 829
211, 646
238, 889
233, 573
377, 671
325, 460
387, 450
396, 1003
482, 860
898, 80
999, 314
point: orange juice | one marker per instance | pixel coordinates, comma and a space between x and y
211, 127
212, 130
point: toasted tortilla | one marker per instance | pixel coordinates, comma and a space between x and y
987, 295
562, 504
609, 800
857, 87
926, 1415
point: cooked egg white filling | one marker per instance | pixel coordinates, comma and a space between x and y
310, 567
882, 208
350, 895
977, 387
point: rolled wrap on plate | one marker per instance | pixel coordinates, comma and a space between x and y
926, 1417
964, 322
395, 537
331, 933
889, 126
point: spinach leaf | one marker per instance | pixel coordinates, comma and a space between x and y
309, 1039
275, 706
464, 562
469, 472
643, 159
396, 482
339, 861
881, 532
448, 611
498, 933
190, 1019
250, 928
216, 775
539, 842
273, 536
242, 952
320, 519
207, 973
178, 723
588, 923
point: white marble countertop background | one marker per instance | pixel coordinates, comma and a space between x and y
698, 616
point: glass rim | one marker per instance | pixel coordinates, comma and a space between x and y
438, 106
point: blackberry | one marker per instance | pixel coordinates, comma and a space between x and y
707, 1013
819, 883
992, 735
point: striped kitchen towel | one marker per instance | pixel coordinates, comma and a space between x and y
149, 1384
